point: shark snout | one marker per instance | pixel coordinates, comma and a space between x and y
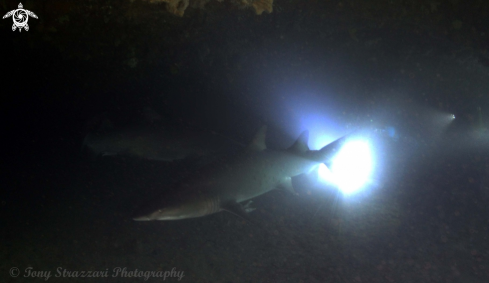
146, 215
141, 218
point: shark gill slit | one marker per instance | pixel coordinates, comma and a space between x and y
213, 205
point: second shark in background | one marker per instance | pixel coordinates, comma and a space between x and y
154, 141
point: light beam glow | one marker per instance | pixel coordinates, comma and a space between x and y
351, 167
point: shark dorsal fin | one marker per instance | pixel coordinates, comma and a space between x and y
258, 142
300, 144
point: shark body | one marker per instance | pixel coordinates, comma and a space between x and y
240, 178
157, 143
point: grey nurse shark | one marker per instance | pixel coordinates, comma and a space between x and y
159, 143
224, 185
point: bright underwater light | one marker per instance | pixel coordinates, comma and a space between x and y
351, 167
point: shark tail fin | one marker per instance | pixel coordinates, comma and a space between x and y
329, 151
241, 211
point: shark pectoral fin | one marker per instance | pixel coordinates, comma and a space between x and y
286, 184
241, 211
238, 209
247, 207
